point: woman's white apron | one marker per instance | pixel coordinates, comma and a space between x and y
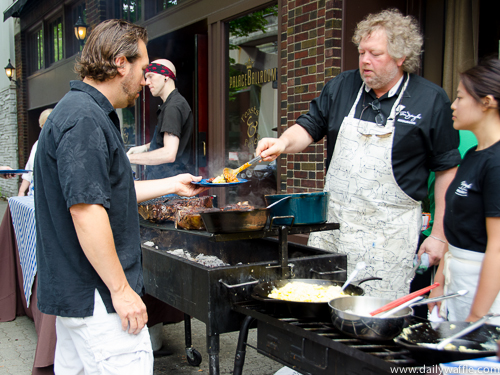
379, 222
461, 271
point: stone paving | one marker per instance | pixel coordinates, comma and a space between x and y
18, 342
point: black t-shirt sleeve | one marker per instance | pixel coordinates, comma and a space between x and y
83, 165
491, 192
172, 120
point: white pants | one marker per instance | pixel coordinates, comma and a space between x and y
98, 345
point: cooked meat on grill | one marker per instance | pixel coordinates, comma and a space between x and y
190, 218
164, 209
240, 206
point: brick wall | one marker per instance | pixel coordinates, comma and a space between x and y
96, 12
8, 138
310, 57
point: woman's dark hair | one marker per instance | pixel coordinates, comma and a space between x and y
483, 80
109, 40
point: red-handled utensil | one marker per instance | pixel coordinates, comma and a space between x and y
404, 299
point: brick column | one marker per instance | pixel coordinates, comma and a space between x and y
22, 98
310, 56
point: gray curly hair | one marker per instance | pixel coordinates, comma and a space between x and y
403, 35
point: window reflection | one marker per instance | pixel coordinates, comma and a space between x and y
252, 99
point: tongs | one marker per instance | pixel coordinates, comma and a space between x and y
233, 172
420, 300
404, 299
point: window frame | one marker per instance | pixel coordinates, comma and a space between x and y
36, 49
49, 42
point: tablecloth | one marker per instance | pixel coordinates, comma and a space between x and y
22, 210
13, 303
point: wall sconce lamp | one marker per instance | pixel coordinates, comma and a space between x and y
80, 30
9, 72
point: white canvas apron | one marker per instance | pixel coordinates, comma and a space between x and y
461, 271
379, 222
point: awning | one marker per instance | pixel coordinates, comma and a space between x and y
14, 10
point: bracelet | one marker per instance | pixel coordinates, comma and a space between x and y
439, 239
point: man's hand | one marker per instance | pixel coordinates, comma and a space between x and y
7, 175
184, 187
434, 248
270, 148
137, 150
130, 309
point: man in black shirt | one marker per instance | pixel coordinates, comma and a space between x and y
385, 128
170, 149
88, 242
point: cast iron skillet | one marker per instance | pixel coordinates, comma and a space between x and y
305, 310
481, 342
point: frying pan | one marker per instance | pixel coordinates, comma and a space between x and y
351, 315
235, 221
480, 343
305, 310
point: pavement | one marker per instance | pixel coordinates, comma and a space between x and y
18, 343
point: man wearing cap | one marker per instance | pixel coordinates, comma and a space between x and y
170, 151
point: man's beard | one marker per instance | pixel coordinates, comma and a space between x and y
128, 90
382, 79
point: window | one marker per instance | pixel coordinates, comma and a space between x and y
252, 100
164, 4
55, 39
153, 7
131, 10
35, 44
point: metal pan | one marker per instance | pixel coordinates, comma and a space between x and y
476, 344
351, 315
304, 310
235, 221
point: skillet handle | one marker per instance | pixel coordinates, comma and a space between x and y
238, 285
324, 273
357, 282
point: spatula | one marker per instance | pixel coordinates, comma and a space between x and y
353, 274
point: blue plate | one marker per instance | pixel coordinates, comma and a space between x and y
204, 182
13, 171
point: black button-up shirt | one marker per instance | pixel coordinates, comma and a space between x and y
81, 158
424, 137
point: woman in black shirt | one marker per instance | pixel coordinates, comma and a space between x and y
472, 216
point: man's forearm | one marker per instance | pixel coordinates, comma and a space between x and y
96, 239
159, 156
296, 139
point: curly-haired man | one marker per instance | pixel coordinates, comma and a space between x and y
386, 127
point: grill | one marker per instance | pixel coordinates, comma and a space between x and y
208, 294
313, 347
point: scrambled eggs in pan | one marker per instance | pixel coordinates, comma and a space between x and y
305, 292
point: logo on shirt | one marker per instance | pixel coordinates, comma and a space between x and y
408, 118
463, 189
